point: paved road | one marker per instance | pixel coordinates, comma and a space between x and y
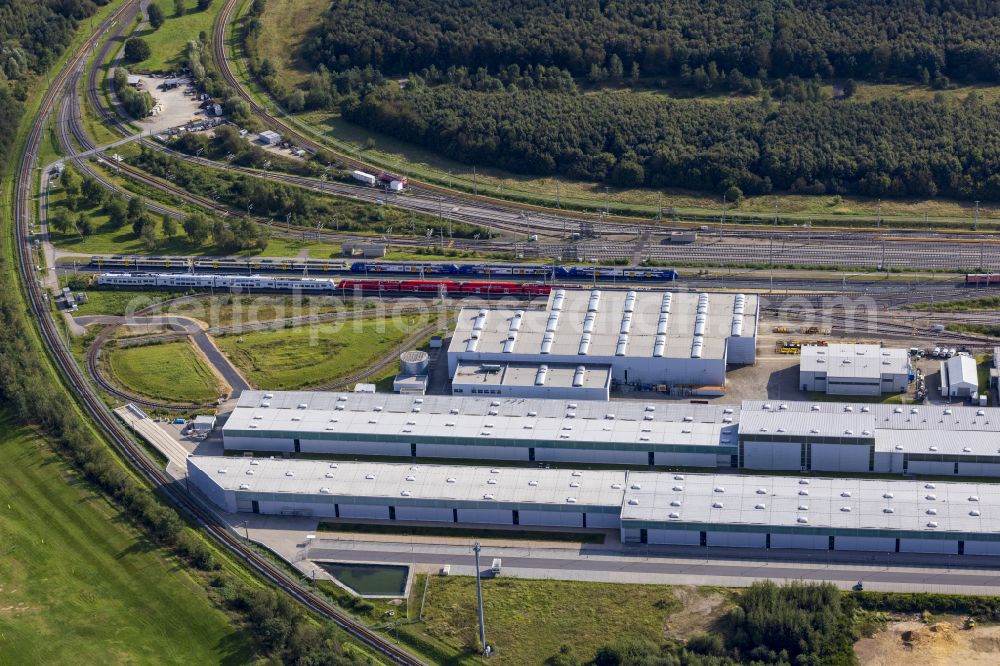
637, 567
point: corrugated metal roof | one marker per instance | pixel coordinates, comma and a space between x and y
427, 482
870, 504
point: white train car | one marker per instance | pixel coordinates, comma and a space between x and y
194, 281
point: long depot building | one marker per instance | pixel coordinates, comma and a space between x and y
646, 338
830, 437
647, 507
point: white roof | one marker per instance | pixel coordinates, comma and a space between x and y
405, 482
388, 417
868, 504
854, 361
938, 442
962, 370
567, 375
860, 416
607, 322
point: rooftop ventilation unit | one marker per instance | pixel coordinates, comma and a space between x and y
629, 302
622, 344
626, 323
665, 303
547, 340
662, 323
588, 322
559, 295
540, 375
552, 323
584, 344
659, 346
697, 346
515, 322
595, 301
578, 376
480, 321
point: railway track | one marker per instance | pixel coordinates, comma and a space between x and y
90, 401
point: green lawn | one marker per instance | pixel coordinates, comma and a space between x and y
167, 44
295, 358
171, 371
77, 586
113, 302
528, 620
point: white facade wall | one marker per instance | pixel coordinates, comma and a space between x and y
425, 513
839, 457
931, 467
742, 350
490, 516
687, 459
772, 455
258, 443
603, 520
869, 544
982, 547
553, 518
736, 539
889, 462
803, 541
355, 448
853, 386
978, 469
221, 498
592, 455
928, 546
367, 511
674, 537
472, 452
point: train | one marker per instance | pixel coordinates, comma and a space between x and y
532, 270
982, 278
294, 265
446, 287
192, 281
319, 285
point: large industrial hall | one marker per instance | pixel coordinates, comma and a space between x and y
647, 338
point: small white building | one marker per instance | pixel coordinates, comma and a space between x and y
203, 425
959, 378
269, 138
846, 369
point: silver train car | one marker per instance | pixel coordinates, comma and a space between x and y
194, 281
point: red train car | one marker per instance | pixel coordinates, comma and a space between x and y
982, 278
448, 286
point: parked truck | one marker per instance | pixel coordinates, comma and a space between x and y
365, 178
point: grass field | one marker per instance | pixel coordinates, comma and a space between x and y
982, 303
529, 620
100, 301
294, 358
76, 584
171, 371
167, 44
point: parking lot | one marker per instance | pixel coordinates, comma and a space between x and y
175, 106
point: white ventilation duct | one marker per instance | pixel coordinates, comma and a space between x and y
578, 375
659, 346
557, 299
622, 344
540, 375
584, 344
547, 339
595, 301
629, 302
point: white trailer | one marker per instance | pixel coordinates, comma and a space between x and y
366, 178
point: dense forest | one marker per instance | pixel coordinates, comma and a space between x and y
32, 35
863, 39
888, 147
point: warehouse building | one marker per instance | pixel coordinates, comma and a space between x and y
844, 369
497, 496
959, 377
647, 507
647, 338
881, 438
815, 514
379, 424
525, 380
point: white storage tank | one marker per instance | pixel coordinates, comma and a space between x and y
413, 362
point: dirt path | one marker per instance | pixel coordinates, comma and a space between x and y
943, 643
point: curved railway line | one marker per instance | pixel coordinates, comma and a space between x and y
92, 403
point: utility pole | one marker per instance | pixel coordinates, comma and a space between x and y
878, 214
975, 226
775, 211
558, 196
659, 207
479, 594
475, 181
